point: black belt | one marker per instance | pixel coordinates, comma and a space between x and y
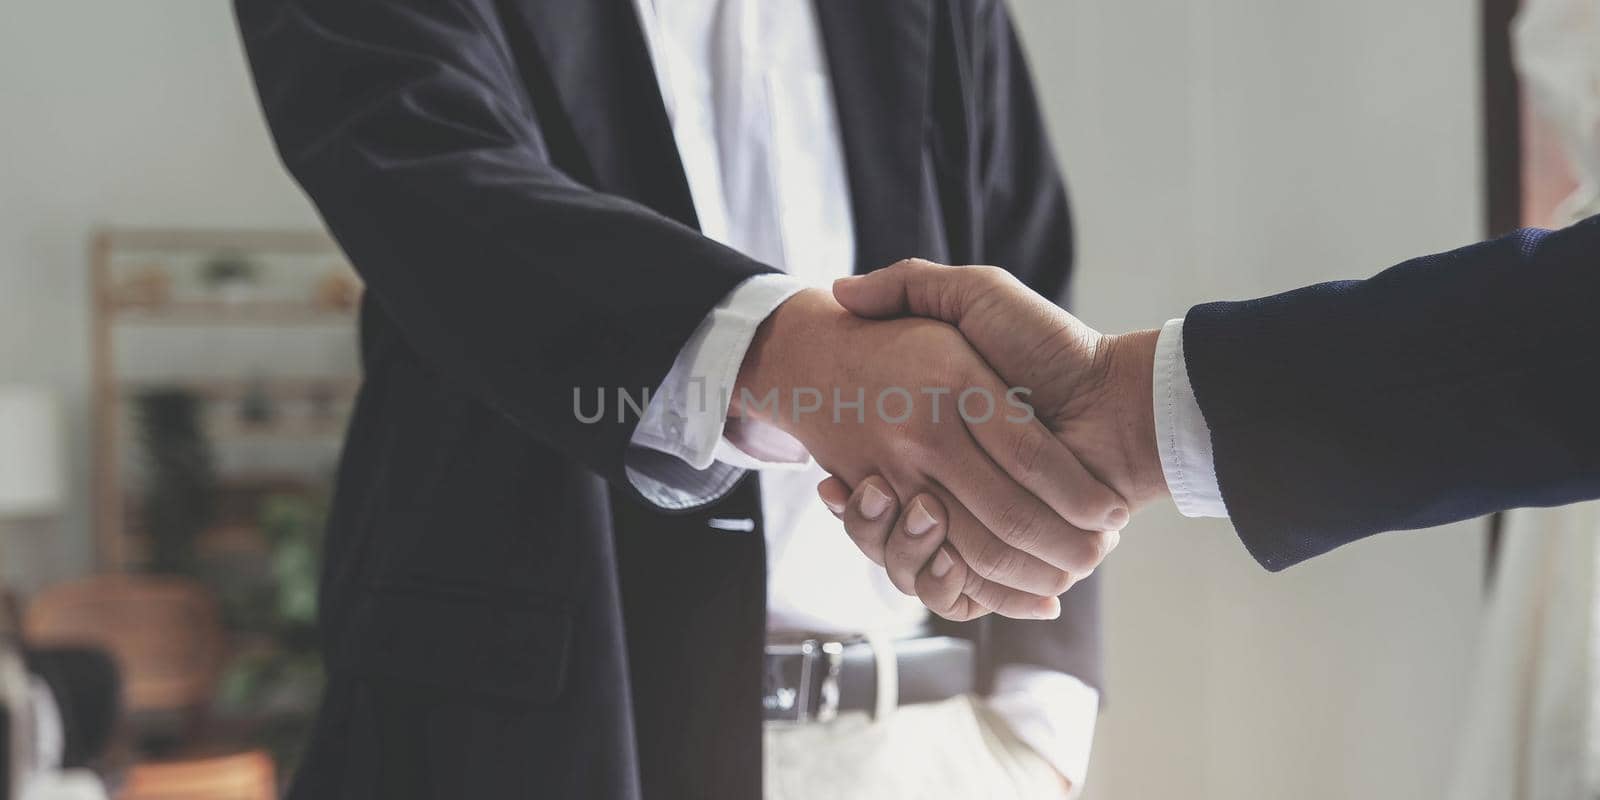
815, 679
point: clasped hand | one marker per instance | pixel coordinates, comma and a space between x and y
986, 448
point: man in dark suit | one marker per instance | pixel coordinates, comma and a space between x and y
523, 598
1441, 389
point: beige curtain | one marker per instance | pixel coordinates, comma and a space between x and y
1531, 726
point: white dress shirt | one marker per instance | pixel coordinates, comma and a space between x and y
1182, 436
747, 89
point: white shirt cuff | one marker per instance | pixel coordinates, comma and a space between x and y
1182, 436
688, 413
1052, 712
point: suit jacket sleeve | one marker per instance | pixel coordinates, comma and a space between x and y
408, 124
1026, 227
1441, 389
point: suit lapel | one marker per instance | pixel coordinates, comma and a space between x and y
596, 58
879, 54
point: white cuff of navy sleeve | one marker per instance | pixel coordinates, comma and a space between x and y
688, 412
1182, 436
1052, 712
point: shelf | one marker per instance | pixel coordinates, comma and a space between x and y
289, 430
217, 390
202, 312
146, 280
277, 241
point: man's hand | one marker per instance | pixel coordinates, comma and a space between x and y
1092, 391
906, 408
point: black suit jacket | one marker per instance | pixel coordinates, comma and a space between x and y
1443, 388
509, 609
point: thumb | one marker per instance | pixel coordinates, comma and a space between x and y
914, 286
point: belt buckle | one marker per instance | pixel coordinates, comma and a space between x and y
814, 695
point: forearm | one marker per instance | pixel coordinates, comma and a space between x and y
1442, 389
408, 128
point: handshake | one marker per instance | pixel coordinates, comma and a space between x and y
986, 448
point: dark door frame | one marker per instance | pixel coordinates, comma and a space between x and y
1502, 154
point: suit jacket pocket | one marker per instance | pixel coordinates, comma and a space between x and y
462, 644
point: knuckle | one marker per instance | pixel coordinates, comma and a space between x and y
938, 599
1100, 544
1060, 581
985, 594
998, 562
1020, 526
985, 563
1091, 550
1092, 499
972, 583
995, 276
922, 446
959, 610
918, 437
1027, 452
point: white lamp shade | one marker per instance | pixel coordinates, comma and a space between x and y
32, 475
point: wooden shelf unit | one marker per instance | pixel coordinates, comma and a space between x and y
112, 311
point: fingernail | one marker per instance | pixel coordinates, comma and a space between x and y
942, 562
837, 508
1115, 539
873, 502
1049, 609
919, 521
1117, 519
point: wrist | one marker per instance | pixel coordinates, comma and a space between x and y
1131, 373
782, 357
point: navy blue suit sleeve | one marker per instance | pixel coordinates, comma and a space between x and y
1441, 389
408, 122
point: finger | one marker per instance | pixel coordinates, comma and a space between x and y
1000, 593
835, 494
942, 586
869, 514
900, 288
912, 542
1037, 460
917, 287
943, 580
939, 587
1022, 543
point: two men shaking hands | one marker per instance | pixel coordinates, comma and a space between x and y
986, 447
1441, 389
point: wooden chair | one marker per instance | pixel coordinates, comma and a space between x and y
166, 636
247, 776
164, 632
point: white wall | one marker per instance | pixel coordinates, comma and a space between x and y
1220, 149
1216, 148
112, 114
